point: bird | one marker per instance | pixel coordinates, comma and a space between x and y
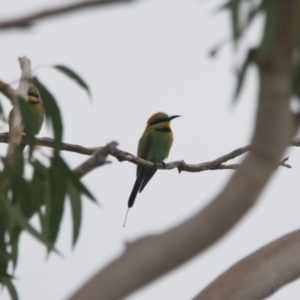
37, 112
154, 145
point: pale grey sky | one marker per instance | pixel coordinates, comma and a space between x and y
139, 59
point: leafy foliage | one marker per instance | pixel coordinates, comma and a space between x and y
242, 14
43, 194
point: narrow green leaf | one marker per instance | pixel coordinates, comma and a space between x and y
37, 191
75, 201
233, 6
13, 167
235, 9
45, 218
38, 185
15, 252
271, 21
27, 119
11, 288
70, 73
20, 189
1, 110
22, 222
295, 80
58, 190
4, 255
241, 76
43, 222
68, 173
254, 11
52, 112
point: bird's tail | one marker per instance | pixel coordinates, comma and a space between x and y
136, 187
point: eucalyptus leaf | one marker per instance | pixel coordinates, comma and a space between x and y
15, 252
68, 173
233, 6
57, 191
45, 218
23, 223
71, 74
52, 112
241, 75
76, 207
271, 9
235, 9
11, 288
1, 110
27, 119
4, 255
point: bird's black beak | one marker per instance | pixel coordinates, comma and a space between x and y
173, 117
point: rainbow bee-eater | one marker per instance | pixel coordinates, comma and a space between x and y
154, 145
36, 108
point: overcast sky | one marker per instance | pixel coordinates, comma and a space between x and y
138, 59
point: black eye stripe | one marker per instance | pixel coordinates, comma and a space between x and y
165, 129
33, 94
159, 121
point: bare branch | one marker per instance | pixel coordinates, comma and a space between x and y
181, 165
217, 164
26, 75
96, 160
27, 21
260, 274
7, 91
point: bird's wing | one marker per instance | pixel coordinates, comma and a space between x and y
143, 148
149, 174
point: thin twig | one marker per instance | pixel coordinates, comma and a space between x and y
27, 21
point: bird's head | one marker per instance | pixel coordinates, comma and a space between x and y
33, 96
160, 120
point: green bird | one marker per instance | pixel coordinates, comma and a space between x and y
36, 109
154, 145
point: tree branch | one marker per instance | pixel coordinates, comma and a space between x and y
217, 164
152, 256
260, 274
96, 160
27, 21
7, 91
